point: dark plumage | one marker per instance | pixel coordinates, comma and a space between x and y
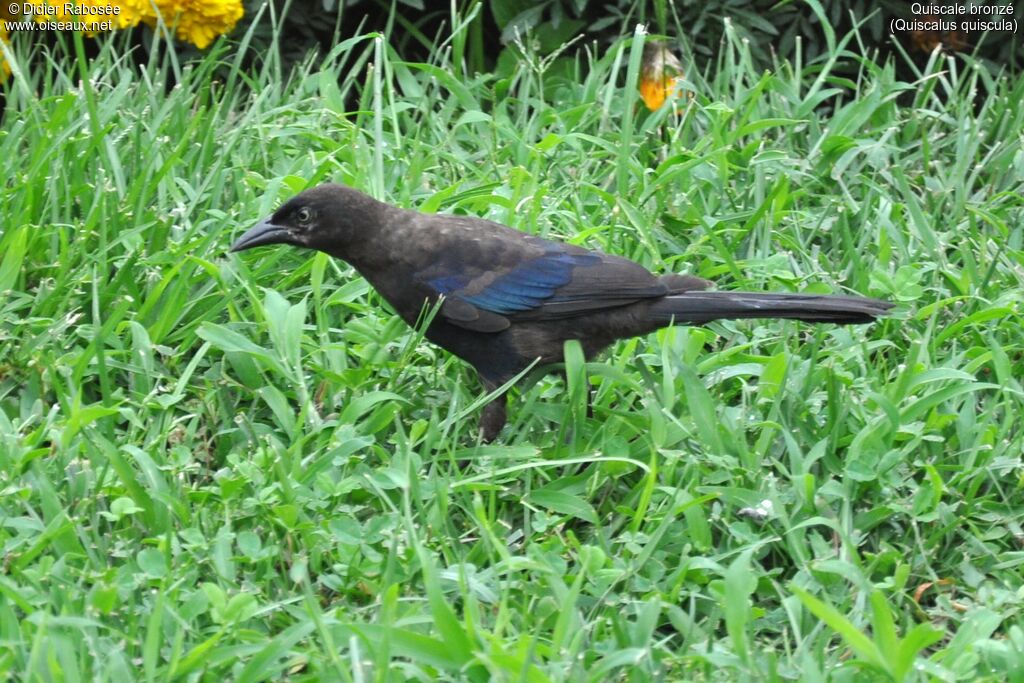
510, 298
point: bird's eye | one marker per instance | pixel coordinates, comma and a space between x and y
304, 216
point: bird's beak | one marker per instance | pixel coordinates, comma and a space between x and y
262, 233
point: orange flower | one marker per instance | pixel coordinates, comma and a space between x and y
659, 74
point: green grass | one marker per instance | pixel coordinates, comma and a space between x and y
247, 468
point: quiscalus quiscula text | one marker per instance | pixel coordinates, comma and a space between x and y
510, 298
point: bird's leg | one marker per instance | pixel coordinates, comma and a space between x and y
590, 400
573, 429
493, 417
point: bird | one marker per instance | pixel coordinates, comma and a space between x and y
507, 299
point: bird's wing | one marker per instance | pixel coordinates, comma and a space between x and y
508, 276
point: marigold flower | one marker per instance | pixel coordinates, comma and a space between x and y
199, 21
196, 21
132, 12
5, 68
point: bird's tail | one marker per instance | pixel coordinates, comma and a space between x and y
701, 307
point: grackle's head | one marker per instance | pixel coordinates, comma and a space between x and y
327, 217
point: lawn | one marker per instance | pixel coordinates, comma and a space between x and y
245, 467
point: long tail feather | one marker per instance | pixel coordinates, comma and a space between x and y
702, 307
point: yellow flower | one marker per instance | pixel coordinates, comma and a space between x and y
132, 12
5, 68
199, 21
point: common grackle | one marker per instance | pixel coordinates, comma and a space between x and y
510, 298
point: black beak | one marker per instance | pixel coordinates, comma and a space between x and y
262, 233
